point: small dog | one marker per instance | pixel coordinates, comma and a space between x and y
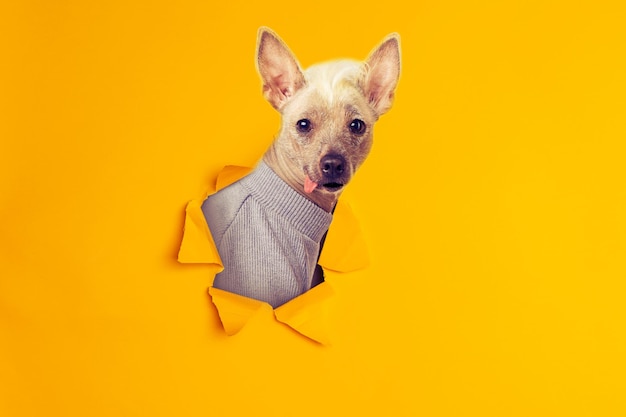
269, 226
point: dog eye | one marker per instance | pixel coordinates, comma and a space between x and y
303, 125
357, 126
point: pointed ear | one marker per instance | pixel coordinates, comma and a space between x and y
278, 68
382, 71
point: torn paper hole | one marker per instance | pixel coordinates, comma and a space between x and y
344, 250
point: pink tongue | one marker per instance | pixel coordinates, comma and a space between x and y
309, 185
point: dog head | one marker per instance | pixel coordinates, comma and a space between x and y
328, 111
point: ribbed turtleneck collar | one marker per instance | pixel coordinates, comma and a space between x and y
275, 194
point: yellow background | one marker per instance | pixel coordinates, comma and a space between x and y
493, 204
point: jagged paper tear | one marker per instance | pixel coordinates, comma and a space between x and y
344, 251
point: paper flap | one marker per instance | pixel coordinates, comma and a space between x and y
345, 249
197, 245
235, 310
307, 313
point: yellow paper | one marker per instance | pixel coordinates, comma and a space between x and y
235, 310
229, 175
344, 249
493, 207
307, 314
198, 245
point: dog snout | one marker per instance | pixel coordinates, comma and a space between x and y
332, 166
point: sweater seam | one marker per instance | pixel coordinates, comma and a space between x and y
232, 221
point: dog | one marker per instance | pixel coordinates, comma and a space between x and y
269, 226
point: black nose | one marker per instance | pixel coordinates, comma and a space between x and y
332, 166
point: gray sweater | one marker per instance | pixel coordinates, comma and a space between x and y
268, 237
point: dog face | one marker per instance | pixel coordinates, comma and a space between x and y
328, 111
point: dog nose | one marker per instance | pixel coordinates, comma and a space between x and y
332, 166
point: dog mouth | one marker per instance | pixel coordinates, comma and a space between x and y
333, 186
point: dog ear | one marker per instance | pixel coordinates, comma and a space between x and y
278, 68
382, 71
